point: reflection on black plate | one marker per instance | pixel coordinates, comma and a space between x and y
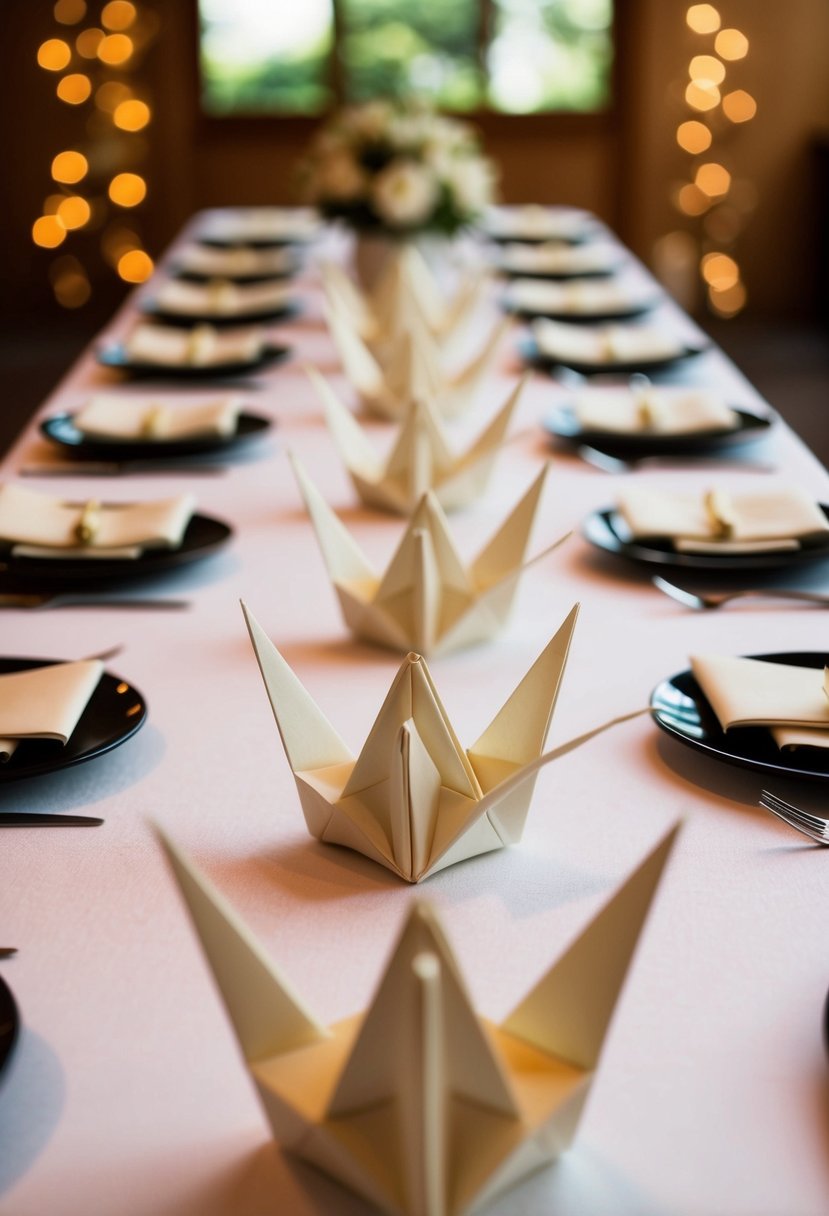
607, 530
284, 312
530, 352
626, 311
116, 357
61, 429
113, 714
682, 710
187, 275
9, 1024
564, 424
271, 241
603, 271
203, 536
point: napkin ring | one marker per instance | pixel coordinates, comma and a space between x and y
86, 529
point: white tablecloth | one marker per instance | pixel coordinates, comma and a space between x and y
127, 1094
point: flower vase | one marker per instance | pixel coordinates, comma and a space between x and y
371, 252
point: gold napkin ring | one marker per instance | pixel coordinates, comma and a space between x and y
721, 512
87, 526
153, 419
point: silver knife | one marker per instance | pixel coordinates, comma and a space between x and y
113, 468
35, 820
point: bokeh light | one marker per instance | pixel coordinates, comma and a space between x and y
731, 44
69, 167
110, 95
54, 54
131, 115
729, 302
74, 211
118, 15
69, 282
135, 266
720, 271
693, 137
88, 41
712, 179
127, 189
74, 89
48, 232
690, 200
115, 49
739, 106
69, 12
703, 18
704, 68
702, 95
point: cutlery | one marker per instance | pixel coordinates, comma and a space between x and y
7, 951
617, 464
65, 599
48, 820
816, 827
114, 468
716, 599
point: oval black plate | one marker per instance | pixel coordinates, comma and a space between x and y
558, 276
563, 424
114, 712
606, 530
529, 351
625, 312
682, 710
285, 312
61, 429
116, 357
9, 1023
203, 536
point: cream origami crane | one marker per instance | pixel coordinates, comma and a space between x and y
420, 458
414, 800
427, 600
421, 1106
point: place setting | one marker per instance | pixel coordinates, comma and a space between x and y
614, 349
197, 263
532, 224
220, 302
197, 352
578, 301
259, 227
557, 260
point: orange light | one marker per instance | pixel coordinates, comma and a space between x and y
691, 201
720, 271
693, 137
713, 179
131, 115
51, 203
723, 224
702, 95
69, 12
117, 241
703, 18
74, 212
88, 41
739, 106
48, 232
135, 266
706, 68
74, 89
729, 302
118, 15
127, 189
69, 282
115, 49
731, 44
109, 95
54, 54
69, 167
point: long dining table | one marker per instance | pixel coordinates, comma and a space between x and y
126, 1093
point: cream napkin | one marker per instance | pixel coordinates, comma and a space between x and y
45, 702
581, 297
221, 298
653, 411
245, 224
201, 346
41, 526
554, 258
534, 223
147, 419
719, 522
792, 701
238, 262
605, 343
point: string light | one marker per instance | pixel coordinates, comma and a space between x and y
115, 49
731, 44
54, 54
135, 266
739, 106
127, 189
69, 167
131, 115
694, 137
87, 42
69, 12
703, 18
74, 89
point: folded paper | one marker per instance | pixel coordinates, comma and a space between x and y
45, 702
554, 258
237, 262
121, 417
535, 223
420, 458
427, 600
578, 297
414, 800
221, 298
420, 1105
792, 701
201, 346
605, 343
650, 410
260, 225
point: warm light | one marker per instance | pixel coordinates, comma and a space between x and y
117, 241
729, 302
54, 54
48, 232
127, 189
69, 167
703, 18
739, 106
115, 49
109, 95
731, 44
702, 96
713, 179
131, 115
74, 211
118, 15
723, 223
135, 266
70, 12
704, 68
693, 137
51, 203
74, 89
69, 282
691, 200
720, 271
88, 41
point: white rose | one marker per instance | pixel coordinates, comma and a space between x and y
404, 194
471, 181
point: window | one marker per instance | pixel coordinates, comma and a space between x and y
303, 56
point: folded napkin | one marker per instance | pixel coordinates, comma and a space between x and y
244, 224
40, 526
719, 522
605, 343
555, 258
221, 298
792, 701
109, 416
653, 411
44, 702
534, 223
201, 346
581, 297
238, 262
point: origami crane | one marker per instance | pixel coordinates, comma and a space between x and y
420, 458
414, 800
427, 600
421, 1106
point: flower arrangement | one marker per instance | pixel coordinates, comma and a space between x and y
398, 167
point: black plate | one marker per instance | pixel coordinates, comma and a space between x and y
203, 536
606, 530
115, 356
180, 320
113, 714
61, 429
578, 235
562, 423
261, 242
9, 1023
627, 312
559, 276
683, 711
529, 351
197, 276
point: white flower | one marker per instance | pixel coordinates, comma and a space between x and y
405, 194
471, 182
340, 178
369, 121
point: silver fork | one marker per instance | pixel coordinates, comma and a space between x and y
716, 599
618, 464
816, 827
34, 600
